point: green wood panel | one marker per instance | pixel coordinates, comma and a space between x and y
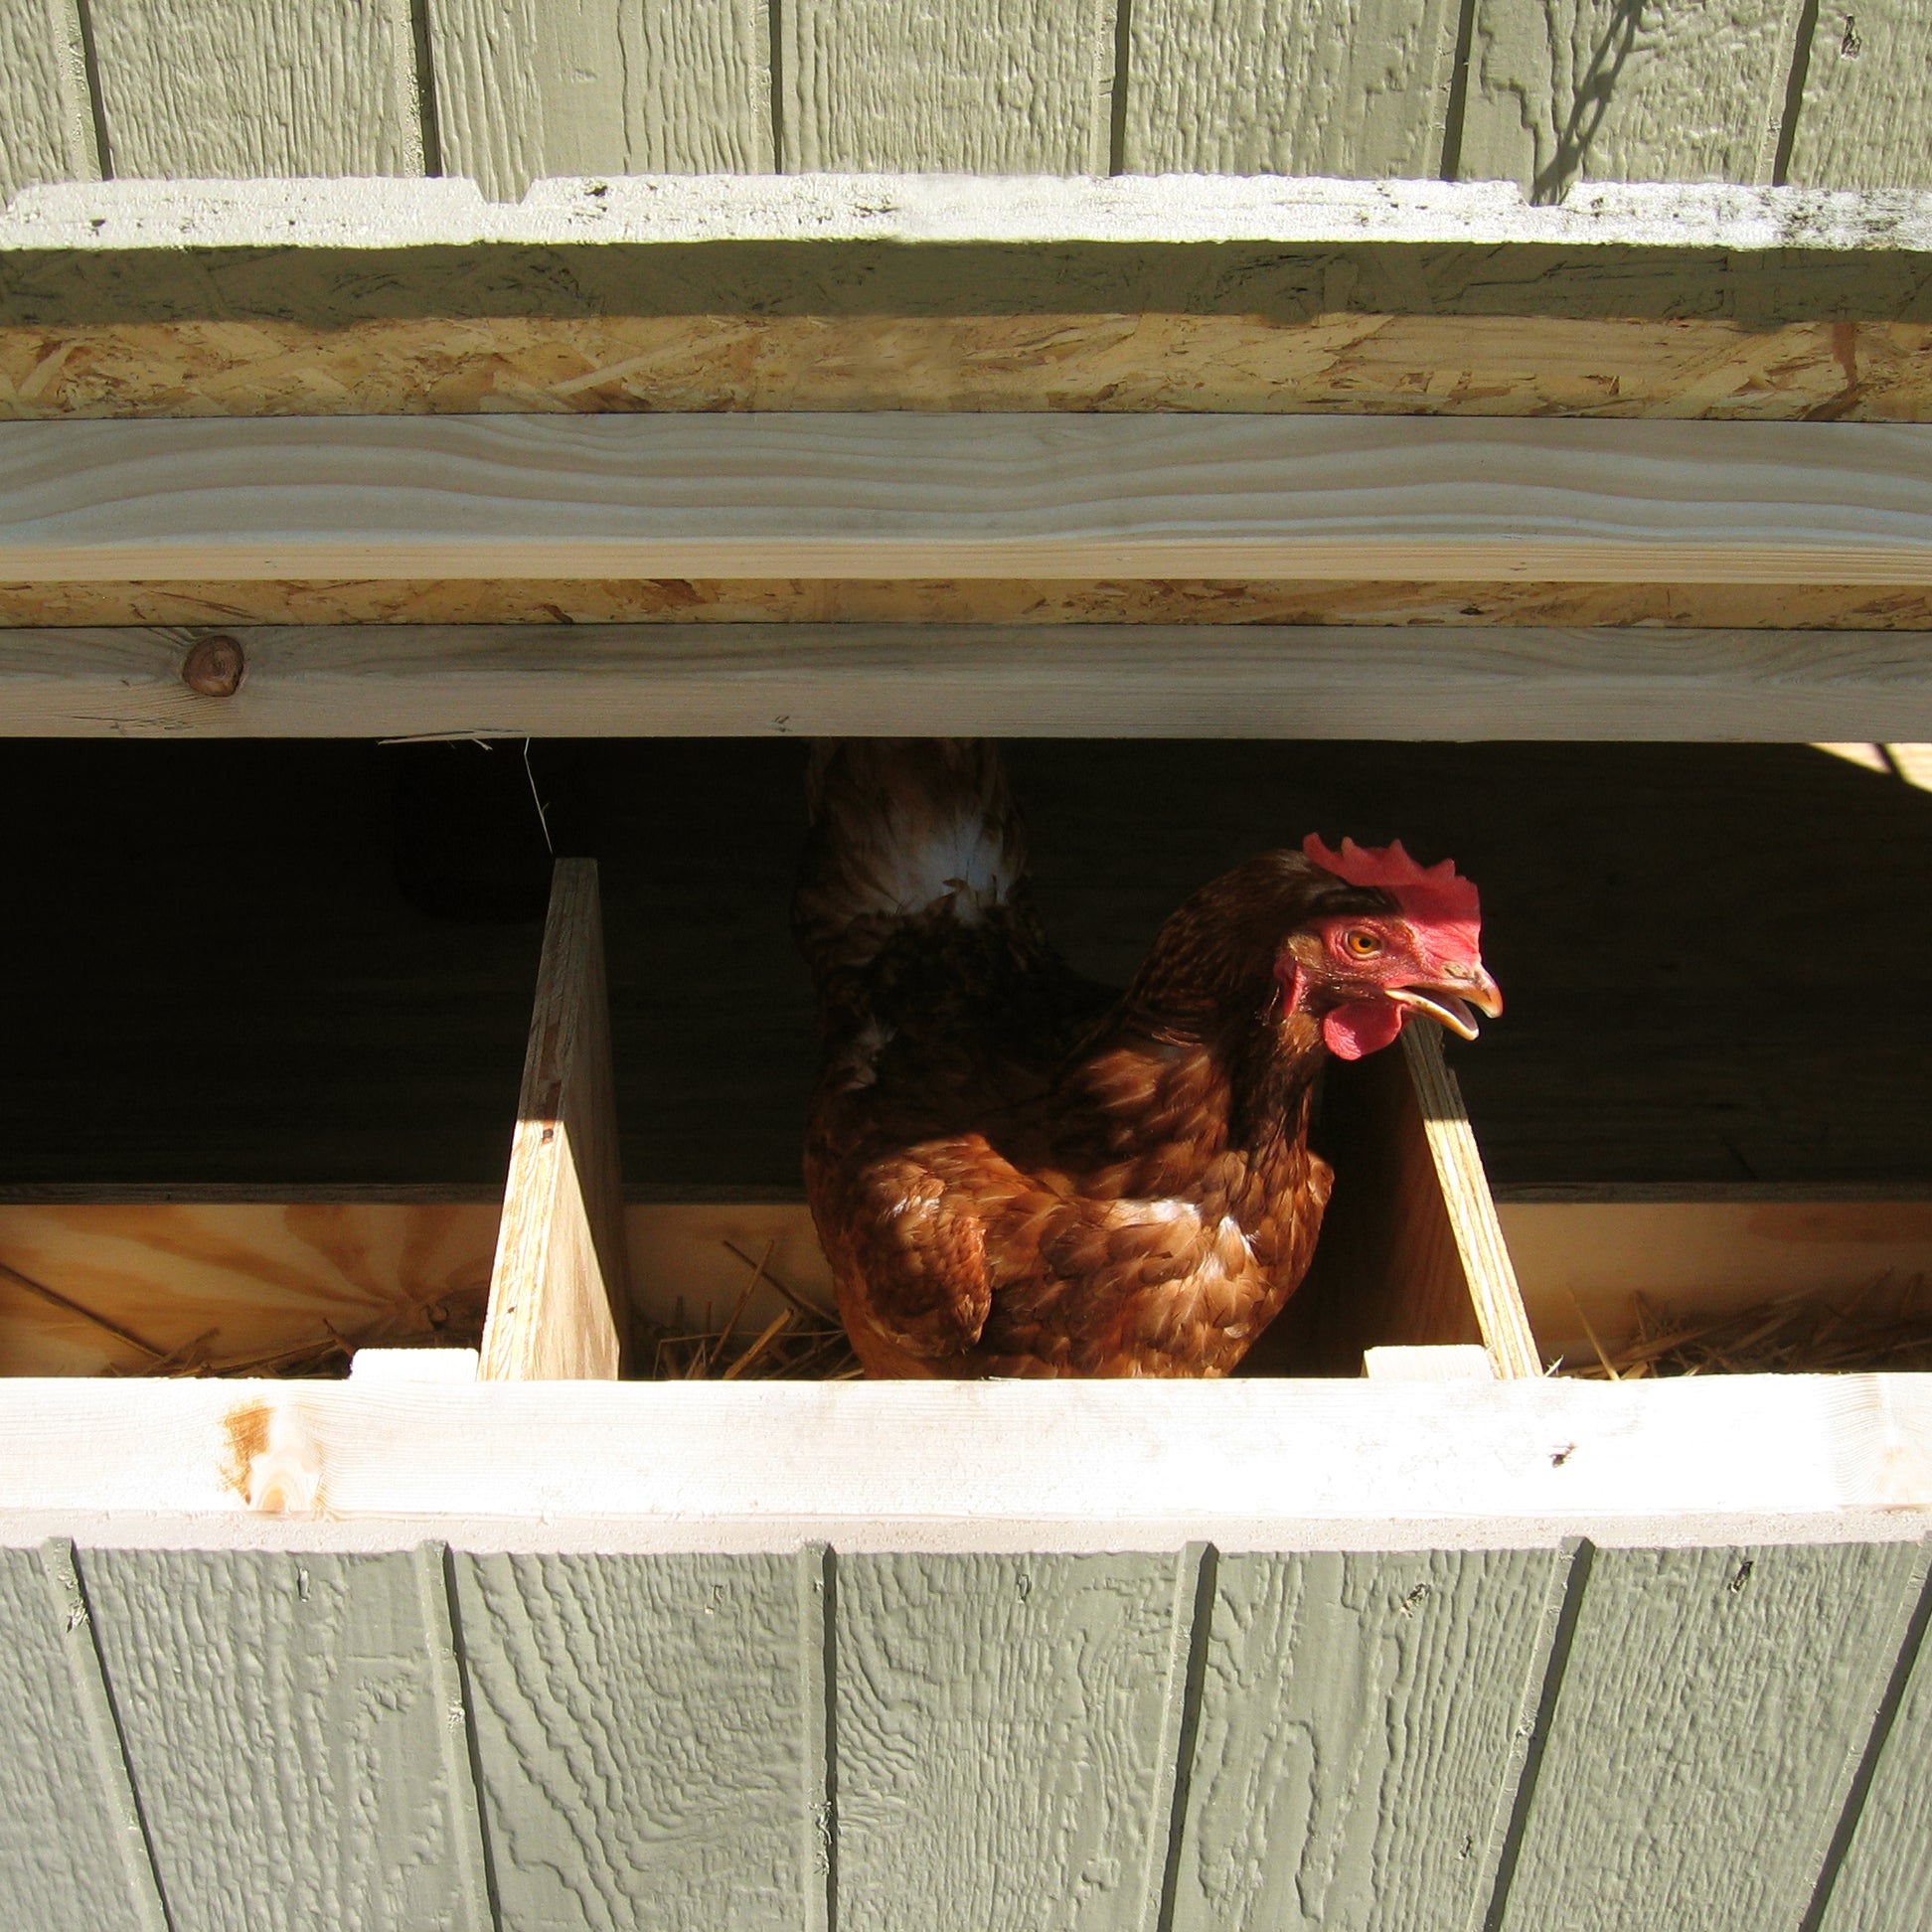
1005, 1734
1357, 1737
645, 1729
1864, 121
532, 87
1885, 1881
65, 1860
46, 115
1713, 1708
292, 1738
1563, 90
237, 88
974, 86
1356, 88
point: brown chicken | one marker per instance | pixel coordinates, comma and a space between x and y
1016, 1172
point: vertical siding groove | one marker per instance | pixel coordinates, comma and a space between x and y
91, 74
1567, 1589
1458, 104
74, 1615
1874, 1750
1123, 79
818, 1582
1196, 1569
1797, 77
775, 67
469, 1830
428, 115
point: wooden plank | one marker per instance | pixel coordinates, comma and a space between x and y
967, 87
259, 86
999, 1724
641, 1736
1356, 1727
286, 1724
1858, 127
72, 1855
1570, 90
823, 495
47, 127
1289, 87
601, 87
558, 1301
1713, 1707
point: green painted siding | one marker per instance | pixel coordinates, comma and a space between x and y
1602, 1740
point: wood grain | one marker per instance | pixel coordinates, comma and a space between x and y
1000, 1723
823, 495
968, 86
1864, 83
1595, 90
1355, 1732
560, 1303
1357, 87
286, 1736
601, 87
641, 1737
1713, 1707
259, 86
47, 129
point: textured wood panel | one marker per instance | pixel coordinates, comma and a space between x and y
1884, 1880
64, 1854
1713, 1708
1356, 1731
46, 130
1863, 123
290, 1735
642, 1735
540, 87
1567, 90
226, 87
1002, 1739
1353, 87
974, 86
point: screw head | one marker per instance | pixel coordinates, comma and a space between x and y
215, 666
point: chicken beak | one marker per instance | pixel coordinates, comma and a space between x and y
1455, 1003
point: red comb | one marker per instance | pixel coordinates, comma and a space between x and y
1389, 868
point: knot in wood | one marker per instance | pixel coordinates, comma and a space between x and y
215, 666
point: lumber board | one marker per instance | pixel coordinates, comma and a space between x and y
287, 1726
1350, 88
1355, 1726
1003, 1737
642, 1738
1863, 84
1157, 682
560, 1305
600, 86
329, 86
1713, 1709
1567, 90
47, 127
895, 494
1070, 1466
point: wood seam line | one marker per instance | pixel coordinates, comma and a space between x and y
817, 1580
469, 1823
1869, 1759
60, 1565
1196, 1569
1569, 1582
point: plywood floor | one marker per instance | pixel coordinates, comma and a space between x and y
309, 965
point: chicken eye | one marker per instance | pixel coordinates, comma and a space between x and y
1361, 943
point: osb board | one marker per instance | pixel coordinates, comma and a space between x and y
1475, 365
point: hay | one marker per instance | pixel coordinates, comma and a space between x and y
802, 1343
1884, 1325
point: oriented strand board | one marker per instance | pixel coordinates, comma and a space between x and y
1862, 122
1568, 90
291, 1736
1004, 1739
47, 129
968, 86
227, 88
645, 1742
540, 87
1356, 88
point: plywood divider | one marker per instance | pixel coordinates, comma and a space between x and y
558, 1299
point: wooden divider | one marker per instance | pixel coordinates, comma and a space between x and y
558, 1301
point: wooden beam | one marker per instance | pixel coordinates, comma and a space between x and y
903, 495
558, 1304
1011, 681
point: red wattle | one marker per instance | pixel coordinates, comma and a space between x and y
1364, 1026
